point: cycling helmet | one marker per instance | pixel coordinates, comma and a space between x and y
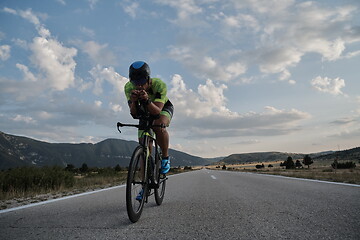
139, 73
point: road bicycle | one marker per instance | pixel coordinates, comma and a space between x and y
144, 169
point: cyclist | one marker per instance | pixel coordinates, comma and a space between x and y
152, 93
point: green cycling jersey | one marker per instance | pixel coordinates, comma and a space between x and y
157, 92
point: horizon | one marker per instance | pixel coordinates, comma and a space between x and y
244, 76
184, 151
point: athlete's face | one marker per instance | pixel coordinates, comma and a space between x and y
143, 86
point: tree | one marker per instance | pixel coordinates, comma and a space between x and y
334, 165
260, 166
307, 161
288, 164
117, 168
84, 168
70, 168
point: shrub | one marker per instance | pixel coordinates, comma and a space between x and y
84, 168
118, 168
260, 166
70, 168
345, 165
26, 179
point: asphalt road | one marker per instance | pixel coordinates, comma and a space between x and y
200, 205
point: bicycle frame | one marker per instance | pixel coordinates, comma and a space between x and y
145, 139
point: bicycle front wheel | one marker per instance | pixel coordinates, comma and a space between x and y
135, 184
161, 180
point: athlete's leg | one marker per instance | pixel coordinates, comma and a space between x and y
162, 135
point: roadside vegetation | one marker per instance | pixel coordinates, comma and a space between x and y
345, 171
29, 181
33, 184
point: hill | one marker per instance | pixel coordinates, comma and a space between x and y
350, 155
18, 151
345, 155
259, 157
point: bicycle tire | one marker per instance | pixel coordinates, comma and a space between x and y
161, 180
135, 182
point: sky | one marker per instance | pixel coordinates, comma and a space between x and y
244, 76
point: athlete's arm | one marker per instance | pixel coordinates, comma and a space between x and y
132, 102
154, 108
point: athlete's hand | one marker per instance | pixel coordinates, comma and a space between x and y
134, 95
143, 95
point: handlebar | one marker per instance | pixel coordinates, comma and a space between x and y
119, 125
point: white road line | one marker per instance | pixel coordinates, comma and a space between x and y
213, 177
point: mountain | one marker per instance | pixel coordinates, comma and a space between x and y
18, 151
345, 155
259, 157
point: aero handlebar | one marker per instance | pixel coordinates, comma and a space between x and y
119, 125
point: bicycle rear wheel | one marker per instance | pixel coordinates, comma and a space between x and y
161, 180
136, 183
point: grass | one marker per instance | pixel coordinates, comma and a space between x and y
82, 183
30, 185
318, 171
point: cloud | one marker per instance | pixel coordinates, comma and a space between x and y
98, 53
351, 134
279, 35
21, 43
249, 142
55, 61
21, 118
344, 121
28, 76
209, 98
52, 59
240, 21
101, 74
87, 31
328, 85
184, 8
98, 103
62, 2
312, 29
27, 14
279, 60
92, 3
4, 52
209, 116
206, 66
60, 118
115, 107
82, 85
352, 54
131, 8
273, 7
